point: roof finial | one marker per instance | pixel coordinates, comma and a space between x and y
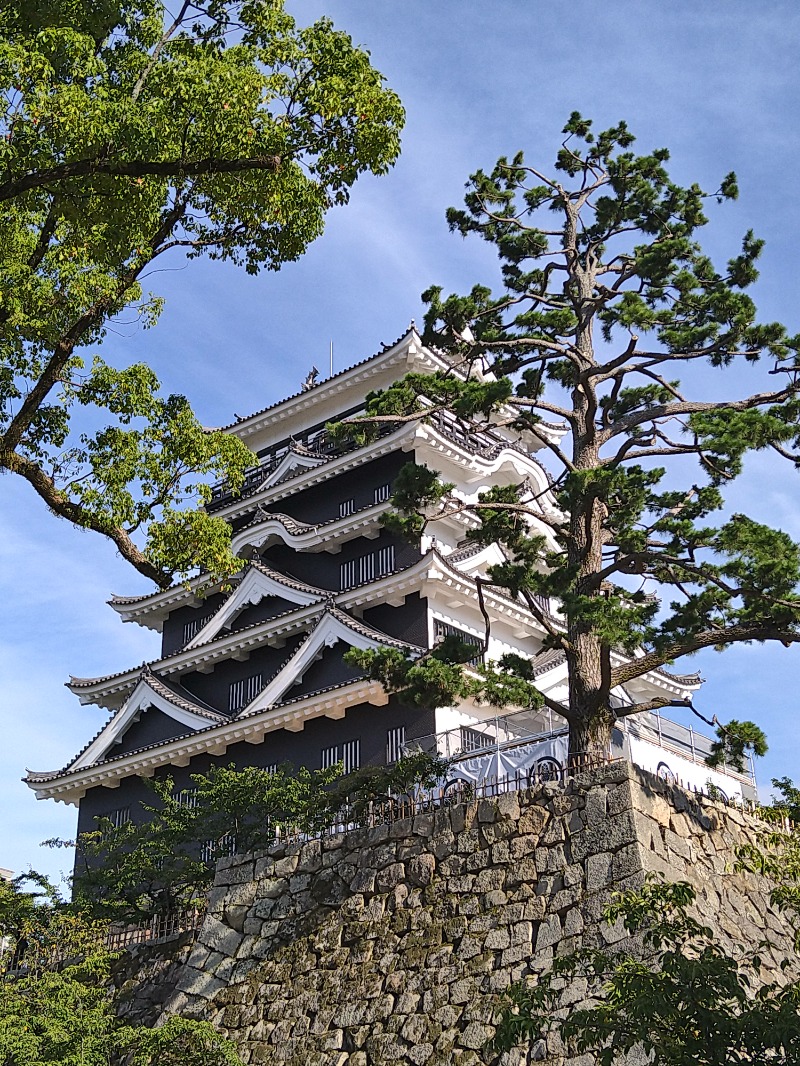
311, 380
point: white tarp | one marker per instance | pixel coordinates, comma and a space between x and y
505, 762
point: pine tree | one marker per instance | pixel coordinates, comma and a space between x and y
606, 298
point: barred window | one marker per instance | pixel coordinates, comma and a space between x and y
348, 573
118, 817
473, 739
348, 754
186, 797
211, 850
382, 493
367, 567
385, 560
444, 629
243, 691
395, 742
346, 507
193, 627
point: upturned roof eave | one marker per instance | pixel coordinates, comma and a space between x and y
429, 567
70, 785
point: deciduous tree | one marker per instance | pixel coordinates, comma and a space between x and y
130, 132
57, 994
136, 869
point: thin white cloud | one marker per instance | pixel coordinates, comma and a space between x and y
714, 82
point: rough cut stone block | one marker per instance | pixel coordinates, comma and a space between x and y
677, 844
235, 875
475, 1036
627, 862
620, 798
271, 888
549, 932
508, 809
442, 844
598, 871
533, 820
201, 985
389, 876
219, 937
497, 939
596, 808
521, 933
608, 836
421, 870
423, 825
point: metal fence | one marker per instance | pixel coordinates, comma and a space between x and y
159, 927
384, 810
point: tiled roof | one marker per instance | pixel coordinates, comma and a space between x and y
288, 580
176, 587
37, 777
679, 679
303, 392
317, 692
166, 691
291, 525
366, 630
355, 624
460, 554
548, 660
181, 698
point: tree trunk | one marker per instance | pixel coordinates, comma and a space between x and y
590, 737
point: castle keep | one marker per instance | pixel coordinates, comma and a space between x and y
253, 674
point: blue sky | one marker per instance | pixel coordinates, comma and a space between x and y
716, 82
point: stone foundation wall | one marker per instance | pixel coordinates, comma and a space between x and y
393, 945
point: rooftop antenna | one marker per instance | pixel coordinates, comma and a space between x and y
331, 357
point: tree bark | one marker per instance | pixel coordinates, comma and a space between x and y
590, 717
590, 736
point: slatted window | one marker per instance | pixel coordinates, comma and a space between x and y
346, 507
348, 754
211, 850
382, 493
473, 739
118, 817
193, 627
367, 567
385, 558
186, 797
444, 629
348, 574
395, 742
243, 691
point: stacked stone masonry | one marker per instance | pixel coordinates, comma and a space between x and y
395, 944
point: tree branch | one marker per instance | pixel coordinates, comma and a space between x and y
653, 704
672, 410
621, 675
171, 168
61, 505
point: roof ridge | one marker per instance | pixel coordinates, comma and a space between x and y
303, 392
186, 703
